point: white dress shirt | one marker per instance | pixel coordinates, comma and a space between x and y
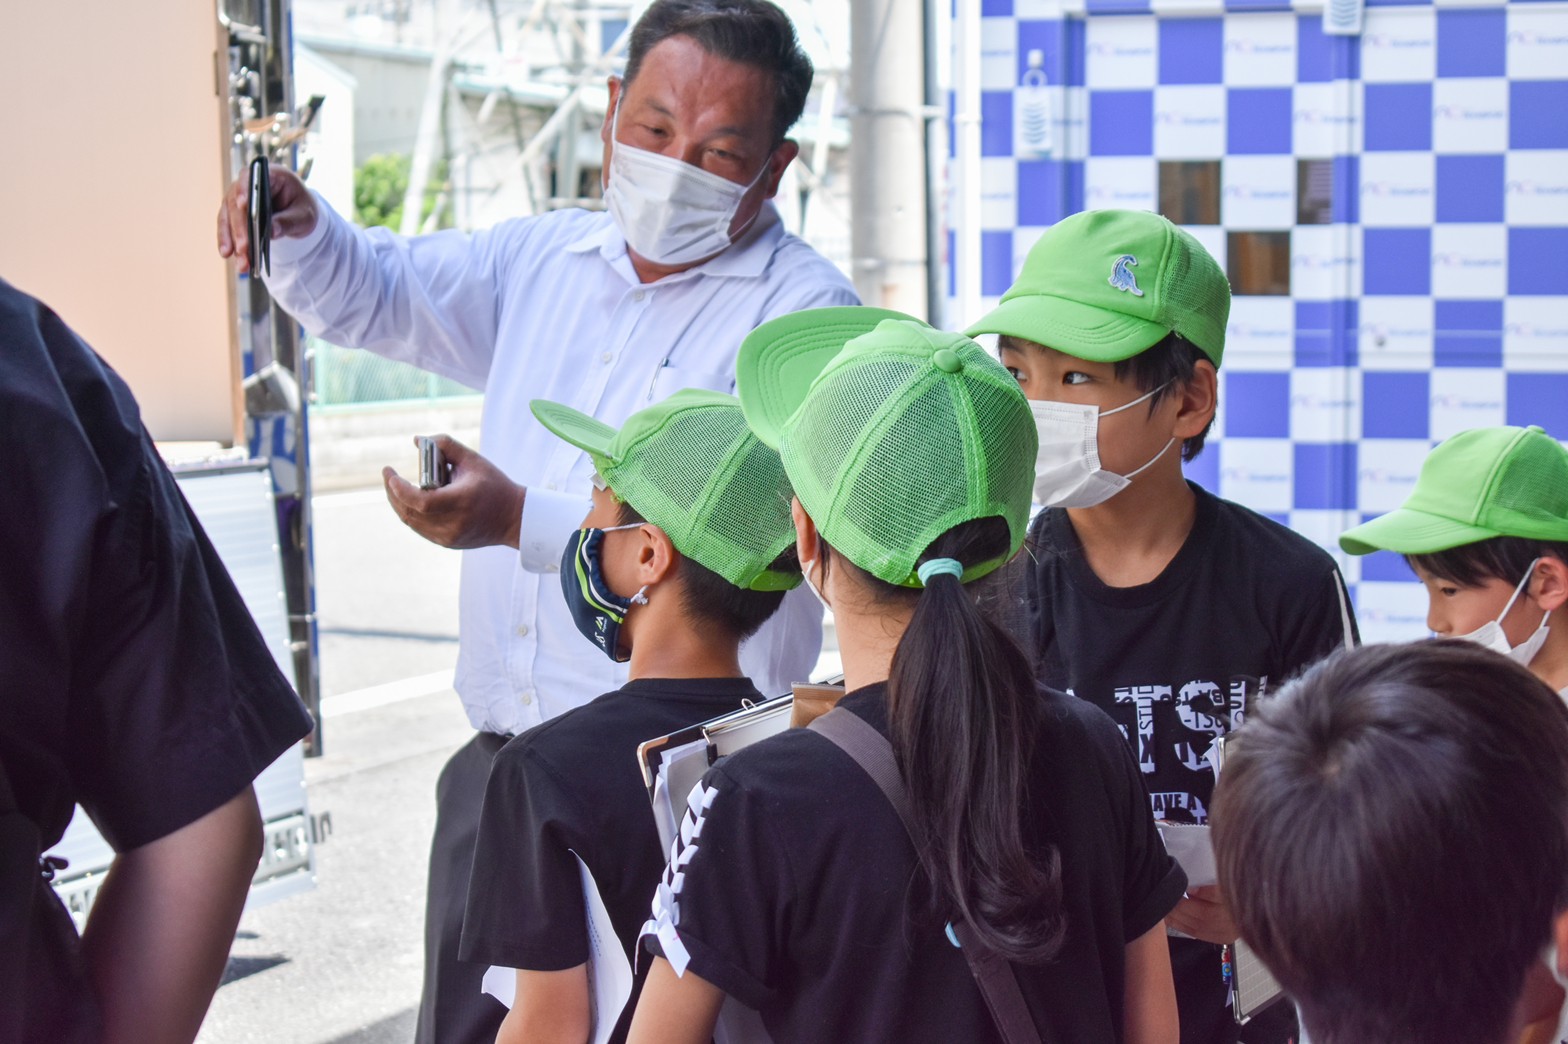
550, 307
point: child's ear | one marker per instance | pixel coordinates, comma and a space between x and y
656, 556
1550, 589
805, 532
1199, 397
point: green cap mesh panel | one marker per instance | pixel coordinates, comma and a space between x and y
1530, 495
1194, 294
719, 494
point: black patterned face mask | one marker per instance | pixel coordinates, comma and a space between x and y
597, 611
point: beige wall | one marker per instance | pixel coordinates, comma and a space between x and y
112, 161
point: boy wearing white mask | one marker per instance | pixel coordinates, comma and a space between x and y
1167, 607
1486, 530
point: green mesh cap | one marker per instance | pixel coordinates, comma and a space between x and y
690, 466
894, 434
1479, 484
1104, 285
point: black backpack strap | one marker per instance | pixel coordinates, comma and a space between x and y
997, 981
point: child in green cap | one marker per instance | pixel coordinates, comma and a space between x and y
1486, 531
1002, 816
1167, 607
686, 551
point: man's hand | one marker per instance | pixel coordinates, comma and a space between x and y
293, 213
479, 507
1204, 915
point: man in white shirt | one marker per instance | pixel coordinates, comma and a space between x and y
605, 312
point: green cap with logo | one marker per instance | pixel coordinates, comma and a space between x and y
1479, 484
891, 432
692, 467
1105, 285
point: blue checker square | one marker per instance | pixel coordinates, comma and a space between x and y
996, 263
1205, 469
1398, 117
1396, 405
1326, 333
1472, 42
1538, 398
1396, 261
1321, 58
1467, 334
1118, 7
1345, 203
1258, 120
996, 8
1121, 123
1538, 114
1059, 42
1470, 188
1192, 50
1538, 260
1385, 565
1048, 190
996, 123
1325, 476
1257, 405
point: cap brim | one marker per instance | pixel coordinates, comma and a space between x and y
574, 426
1080, 330
1408, 532
779, 360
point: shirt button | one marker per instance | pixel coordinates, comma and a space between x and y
605, 357
522, 631
549, 485
528, 697
639, 295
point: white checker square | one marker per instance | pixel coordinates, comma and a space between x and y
1535, 190
1261, 333
1396, 333
998, 54
1537, 42
1535, 334
1038, 9
1325, 405
1387, 470
1399, 45
1466, 398
1258, 192
1325, 262
1398, 189
1072, 134
1391, 612
1260, 50
1213, 239
1470, 115
1181, 7
1323, 527
1189, 121
1469, 261
1128, 182
1327, 119
1258, 473
998, 193
1120, 52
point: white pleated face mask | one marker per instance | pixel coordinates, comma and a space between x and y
1491, 636
671, 212
1067, 470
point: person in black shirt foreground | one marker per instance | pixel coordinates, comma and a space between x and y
134, 682
1170, 609
799, 892
1392, 832
685, 553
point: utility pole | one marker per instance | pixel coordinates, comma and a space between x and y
888, 168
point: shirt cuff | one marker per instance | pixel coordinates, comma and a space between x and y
290, 249
549, 517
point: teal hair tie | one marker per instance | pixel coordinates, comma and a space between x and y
939, 566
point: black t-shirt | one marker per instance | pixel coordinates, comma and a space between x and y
794, 892
1245, 605
571, 785
133, 680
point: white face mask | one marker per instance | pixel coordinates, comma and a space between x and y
670, 212
805, 574
1067, 470
1491, 636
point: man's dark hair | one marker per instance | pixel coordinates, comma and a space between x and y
1392, 835
1500, 558
1168, 364
713, 601
751, 32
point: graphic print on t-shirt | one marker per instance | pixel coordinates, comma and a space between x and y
1188, 718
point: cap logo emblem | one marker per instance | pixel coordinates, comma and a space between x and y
1121, 275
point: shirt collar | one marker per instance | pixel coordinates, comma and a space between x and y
747, 257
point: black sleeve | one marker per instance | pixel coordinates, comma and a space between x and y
525, 896
173, 703
721, 910
1153, 881
1318, 620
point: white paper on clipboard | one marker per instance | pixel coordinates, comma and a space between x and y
609, 972
1190, 846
